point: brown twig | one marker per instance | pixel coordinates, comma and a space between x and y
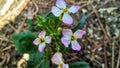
105, 34
36, 6
3, 38
90, 14
89, 2
12, 27
7, 47
118, 62
21, 26
45, 4
92, 59
96, 47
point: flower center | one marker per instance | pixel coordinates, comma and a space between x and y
64, 9
41, 40
73, 38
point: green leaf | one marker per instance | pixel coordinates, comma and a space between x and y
29, 22
23, 42
41, 19
45, 64
36, 59
50, 23
81, 64
41, 22
81, 23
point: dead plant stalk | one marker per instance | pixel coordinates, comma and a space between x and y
105, 34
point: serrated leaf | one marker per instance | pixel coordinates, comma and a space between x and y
81, 23
23, 42
81, 64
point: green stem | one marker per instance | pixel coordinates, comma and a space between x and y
47, 52
39, 64
49, 30
57, 46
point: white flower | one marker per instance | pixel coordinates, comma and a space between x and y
42, 40
57, 59
69, 37
61, 9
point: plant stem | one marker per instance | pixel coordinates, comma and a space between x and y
113, 46
47, 52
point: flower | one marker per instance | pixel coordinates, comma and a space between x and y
57, 59
69, 37
42, 40
61, 10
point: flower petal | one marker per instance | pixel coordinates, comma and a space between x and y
76, 46
65, 66
48, 39
65, 41
36, 41
79, 33
61, 4
42, 34
67, 32
57, 58
74, 9
67, 19
56, 11
41, 47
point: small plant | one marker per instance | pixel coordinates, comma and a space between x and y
47, 40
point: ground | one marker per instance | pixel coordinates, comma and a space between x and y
100, 46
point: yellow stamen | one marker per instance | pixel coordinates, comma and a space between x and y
65, 10
73, 38
41, 40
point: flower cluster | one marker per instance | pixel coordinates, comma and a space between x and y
68, 37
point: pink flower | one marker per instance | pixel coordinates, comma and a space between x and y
69, 37
61, 10
42, 40
57, 59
